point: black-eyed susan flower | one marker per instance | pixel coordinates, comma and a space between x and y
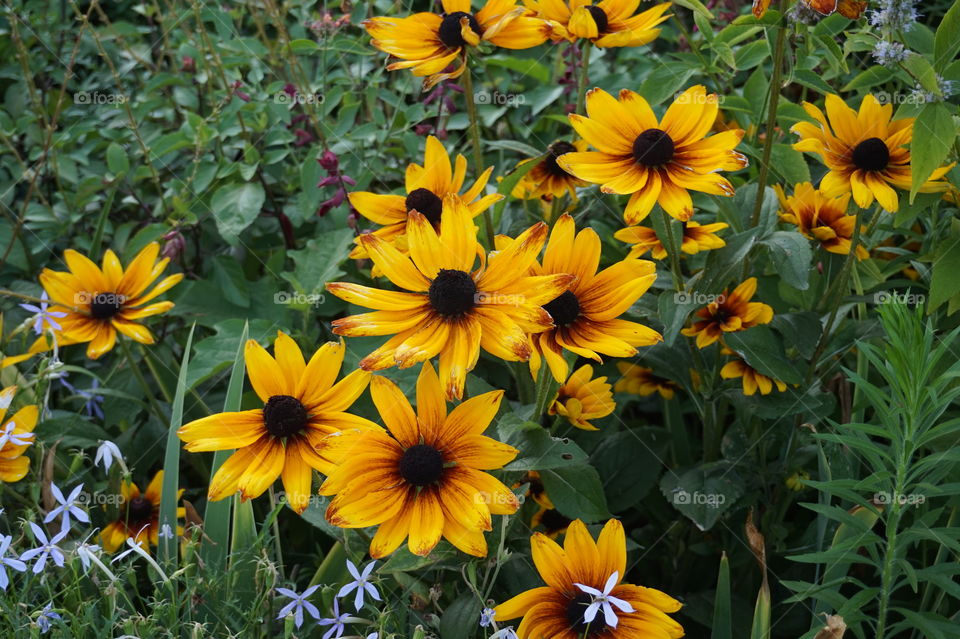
102, 301
582, 398
795, 482
640, 380
303, 404
552, 521
16, 435
696, 237
426, 187
450, 309
427, 43
752, 380
865, 151
548, 179
850, 9
535, 489
583, 576
820, 218
610, 23
654, 161
587, 315
424, 479
139, 516
728, 313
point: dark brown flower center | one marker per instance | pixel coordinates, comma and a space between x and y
575, 609
450, 30
552, 520
284, 416
421, 465
452, 292
600, 17
653, 147
139, 510
427, 203
556, 150
871, 155
564, 309
105, 305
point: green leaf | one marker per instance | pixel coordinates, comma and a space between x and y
168, 546
933, 135
696, 6
538, 450
631, 458
673, 313
923, 71
762, 349
402, 560
507, 185
303, 46
319, 262
461, 617
944, 283
946, 43
526, 66
869, 78
665, 80
789, 163
235, 207
576, 492
722, 606
213, 354
702, 493
791, 254
117, 160
760, 627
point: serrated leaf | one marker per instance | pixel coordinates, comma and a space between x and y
235, 207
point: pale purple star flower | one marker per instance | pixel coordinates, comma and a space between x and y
361, 583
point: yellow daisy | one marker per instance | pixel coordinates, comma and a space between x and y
547, 179
729, 313
639, 380
610, 23
424, 478
654, 161
696, 237
139, 516
16, 435
586, 315
426, 187
101, 301
820, 218
751, 379
865, 151
302, 406
553, 522
427, 43
582, 398
535, 489
451, 310
561, 609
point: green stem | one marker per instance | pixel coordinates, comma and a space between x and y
582, 77
672, 252
142, 380
545, 390
477, 148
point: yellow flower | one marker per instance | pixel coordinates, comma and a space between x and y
586, 315
302, 406
729, 313
424, 478
864, 150
696, 238
639, 380
611, 23
139, 516
654, 161
551, 520
16, 435
427, 43
547, 179
583, 398
557, 610
426, 187
535, 490
451, 310
850, 9
795, 481
101, 301
820, 218
751, 378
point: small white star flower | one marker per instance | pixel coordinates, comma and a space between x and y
69, 506
361, 583
107, 452
605, 601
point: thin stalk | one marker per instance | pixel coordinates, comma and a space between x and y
141, 380
545, 390
582, 77
477, 148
